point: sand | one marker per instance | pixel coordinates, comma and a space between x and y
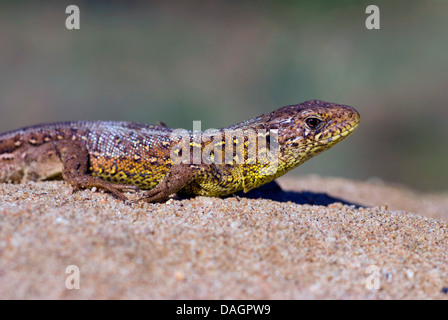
313, 240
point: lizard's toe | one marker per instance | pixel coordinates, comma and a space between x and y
154, 196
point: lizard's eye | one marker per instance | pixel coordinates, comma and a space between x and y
313, 122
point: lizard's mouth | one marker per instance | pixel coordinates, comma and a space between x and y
342, 134
336, 134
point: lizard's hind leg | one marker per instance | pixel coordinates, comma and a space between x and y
75, 159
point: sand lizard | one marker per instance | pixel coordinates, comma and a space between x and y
123, 156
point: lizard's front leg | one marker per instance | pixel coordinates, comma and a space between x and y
178, 177
75, 159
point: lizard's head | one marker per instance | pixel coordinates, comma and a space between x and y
306, 129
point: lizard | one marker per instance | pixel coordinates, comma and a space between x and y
120, 156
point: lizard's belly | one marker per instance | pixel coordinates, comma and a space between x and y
135, 173
210, 189
216, 181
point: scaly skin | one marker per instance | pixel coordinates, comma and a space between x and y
121, 156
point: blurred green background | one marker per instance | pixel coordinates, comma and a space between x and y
226, 61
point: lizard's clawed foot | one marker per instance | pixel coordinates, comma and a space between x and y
154, 195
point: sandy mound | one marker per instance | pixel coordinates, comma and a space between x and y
315, 241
